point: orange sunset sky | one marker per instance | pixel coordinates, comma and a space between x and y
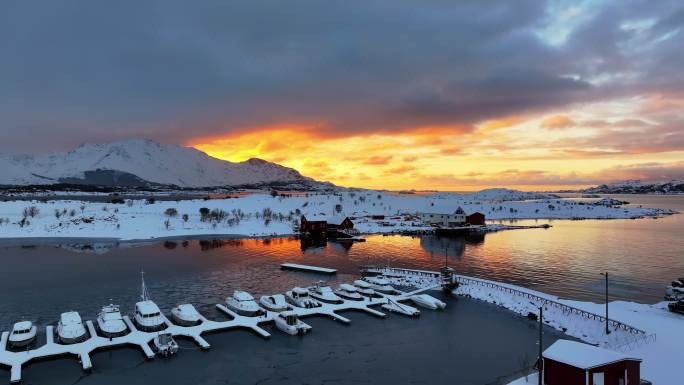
447, 95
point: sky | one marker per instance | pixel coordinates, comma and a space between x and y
432, 94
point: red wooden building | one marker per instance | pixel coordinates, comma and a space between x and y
475, 219
321, 224
575, 363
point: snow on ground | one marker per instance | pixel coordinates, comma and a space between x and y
261, 214
660, 349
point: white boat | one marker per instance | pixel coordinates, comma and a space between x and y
428, 301
299, 296
147, 315
110, 322
288, 322
364, 288
186, 315
400, 308
324, 294
70, 328
23, 334
380, 284
275, 302
348, 291
244, 304
165, 345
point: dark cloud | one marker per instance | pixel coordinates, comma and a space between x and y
171, 70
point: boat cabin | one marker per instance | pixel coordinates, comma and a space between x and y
300, 292
289, 317
575, 363
22, 327
147, 309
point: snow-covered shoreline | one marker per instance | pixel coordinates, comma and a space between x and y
261, 214
657, 342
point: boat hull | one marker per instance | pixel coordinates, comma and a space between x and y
149, 328
72, 340
178, 320
244, 312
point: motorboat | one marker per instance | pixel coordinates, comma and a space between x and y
288, 322
147, 315
364, 288
400, 308
275, 302
244, 304
380, 284
23, 334
70, 328
675, 291
165, 345
186, 315
324, 294
299, 296
427, 301
348, 291
110, 322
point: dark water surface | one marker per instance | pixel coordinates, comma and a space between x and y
41, 279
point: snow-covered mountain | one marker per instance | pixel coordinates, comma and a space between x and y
136, 161
638, 187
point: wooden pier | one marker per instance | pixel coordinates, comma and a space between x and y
307, 268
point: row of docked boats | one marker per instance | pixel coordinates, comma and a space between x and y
148, 317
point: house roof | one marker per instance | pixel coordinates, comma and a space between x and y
332, 219
459, 210
583, 356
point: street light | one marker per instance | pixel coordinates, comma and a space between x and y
606, 275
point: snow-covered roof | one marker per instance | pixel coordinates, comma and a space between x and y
242, 296
23, 325
347, 287
300, 290
70, 317
147, 307
583, 356
333, 219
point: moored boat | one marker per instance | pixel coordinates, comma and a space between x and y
23, 334
299, 297
70, 328
324, 294
348, 291
147, 316
165, 345
186, 315
380, 284
288, 322
364, 288
428, 301
275, 302
244, 304
110, 323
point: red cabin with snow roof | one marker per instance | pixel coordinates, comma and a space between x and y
475, 219
575, 363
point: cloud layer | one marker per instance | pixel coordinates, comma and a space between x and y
451, 78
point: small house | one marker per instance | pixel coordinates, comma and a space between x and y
575, 363
456, 219
475, 219
322, 224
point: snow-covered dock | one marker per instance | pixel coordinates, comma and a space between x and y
307, 268
82, 350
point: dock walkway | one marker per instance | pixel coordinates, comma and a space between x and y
15, 360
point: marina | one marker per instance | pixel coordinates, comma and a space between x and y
81, 344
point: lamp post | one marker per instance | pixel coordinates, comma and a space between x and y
540, 359
606, 275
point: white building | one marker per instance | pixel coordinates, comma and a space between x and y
456, 219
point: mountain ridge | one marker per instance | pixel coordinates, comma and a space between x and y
146, 160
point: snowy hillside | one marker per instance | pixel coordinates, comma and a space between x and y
139, 159
261, 214
638, 187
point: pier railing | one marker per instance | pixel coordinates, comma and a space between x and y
616, 325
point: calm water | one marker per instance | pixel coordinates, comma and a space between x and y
41, 279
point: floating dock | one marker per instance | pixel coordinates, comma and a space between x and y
15, 360
307, 268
